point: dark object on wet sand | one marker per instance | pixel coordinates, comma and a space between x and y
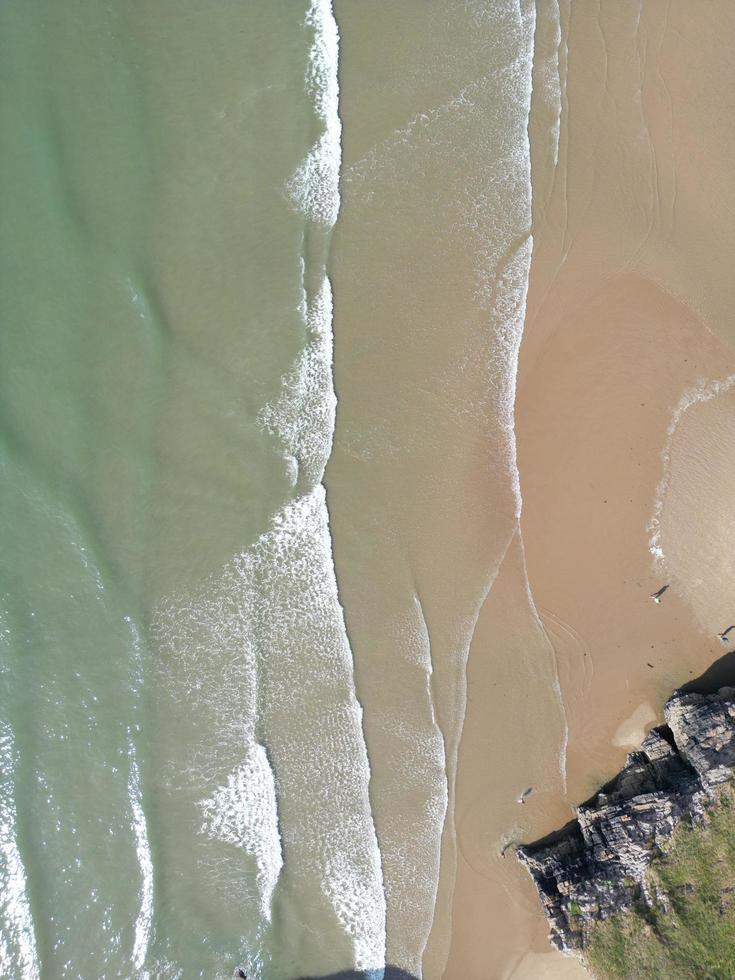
723, 636
595, 866
657, 595
241, 975
524, 795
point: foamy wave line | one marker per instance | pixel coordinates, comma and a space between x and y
513, 309
303, 415
260, 635
273, 624
424, 876
18, 952
314, 187
144, 919
304, 418
515, 273
342, 853
703, 391
551, 70
244, 813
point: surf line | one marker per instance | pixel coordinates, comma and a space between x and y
702, 392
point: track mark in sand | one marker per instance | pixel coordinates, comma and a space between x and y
574, 649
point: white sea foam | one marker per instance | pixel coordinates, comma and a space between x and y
315, 186
144, 919
489, 211
313, 723
556, 83
510, 307
18, 952
207, 642
517, 293
307, 702
548, 65
263, 644
704, 391
303, 415
243, 812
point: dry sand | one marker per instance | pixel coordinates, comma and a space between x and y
629, 306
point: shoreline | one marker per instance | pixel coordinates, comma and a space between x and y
617, 329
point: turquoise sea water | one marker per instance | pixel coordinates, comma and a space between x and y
152, 304
184, 780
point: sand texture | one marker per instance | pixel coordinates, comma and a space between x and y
628, 320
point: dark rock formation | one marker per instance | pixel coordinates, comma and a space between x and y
595, 866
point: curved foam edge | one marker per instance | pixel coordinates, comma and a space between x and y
243, 812
704, 391
302, 417
551, 74
144, 919
314, 187
344, 852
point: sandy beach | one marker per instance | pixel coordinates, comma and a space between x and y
628, 311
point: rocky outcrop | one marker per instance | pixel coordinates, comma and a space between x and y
595, 866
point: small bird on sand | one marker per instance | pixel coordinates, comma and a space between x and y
657, 595
524, 795
723, 636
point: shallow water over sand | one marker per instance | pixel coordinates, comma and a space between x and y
429, 265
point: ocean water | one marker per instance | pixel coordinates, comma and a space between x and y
209, 761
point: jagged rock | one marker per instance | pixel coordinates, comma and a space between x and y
595, 866
704, 731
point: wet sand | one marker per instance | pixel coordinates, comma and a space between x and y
696, 522
509, 744
590, 470
628, 308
